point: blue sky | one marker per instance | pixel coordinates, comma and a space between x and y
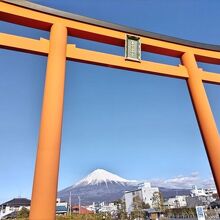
136, 125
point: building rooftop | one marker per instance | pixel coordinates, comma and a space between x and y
61, 208
16, 202
83, 210
134, 190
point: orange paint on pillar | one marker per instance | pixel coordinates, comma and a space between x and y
43, 202
204, 115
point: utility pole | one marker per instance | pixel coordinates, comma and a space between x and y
79, 204
70, 203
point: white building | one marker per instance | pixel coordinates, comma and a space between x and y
211, 191
14, 205
129, 199
61, 203
148, 192
145, 192
94, 207
108, 207
197, 192
176, 202
61, 207
203, 192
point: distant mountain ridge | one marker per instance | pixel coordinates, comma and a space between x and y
101, 185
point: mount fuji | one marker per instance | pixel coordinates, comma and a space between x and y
103, 186
98, 186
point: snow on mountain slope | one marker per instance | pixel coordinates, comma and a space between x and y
102, 176
98, 186
101, 185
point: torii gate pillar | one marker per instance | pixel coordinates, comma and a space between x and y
204, 115
43, 202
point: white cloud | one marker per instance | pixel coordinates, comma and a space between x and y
182, 181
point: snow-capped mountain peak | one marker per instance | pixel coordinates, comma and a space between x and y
98, 186
99, 176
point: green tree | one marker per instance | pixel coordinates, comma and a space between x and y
121, 213
182, 212
138, 208
157, 201
23, 213
145, 205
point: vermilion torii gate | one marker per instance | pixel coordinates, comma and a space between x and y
61, 24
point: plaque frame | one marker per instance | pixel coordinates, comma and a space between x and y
138, 39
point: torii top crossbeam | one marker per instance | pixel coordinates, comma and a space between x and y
41, 17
